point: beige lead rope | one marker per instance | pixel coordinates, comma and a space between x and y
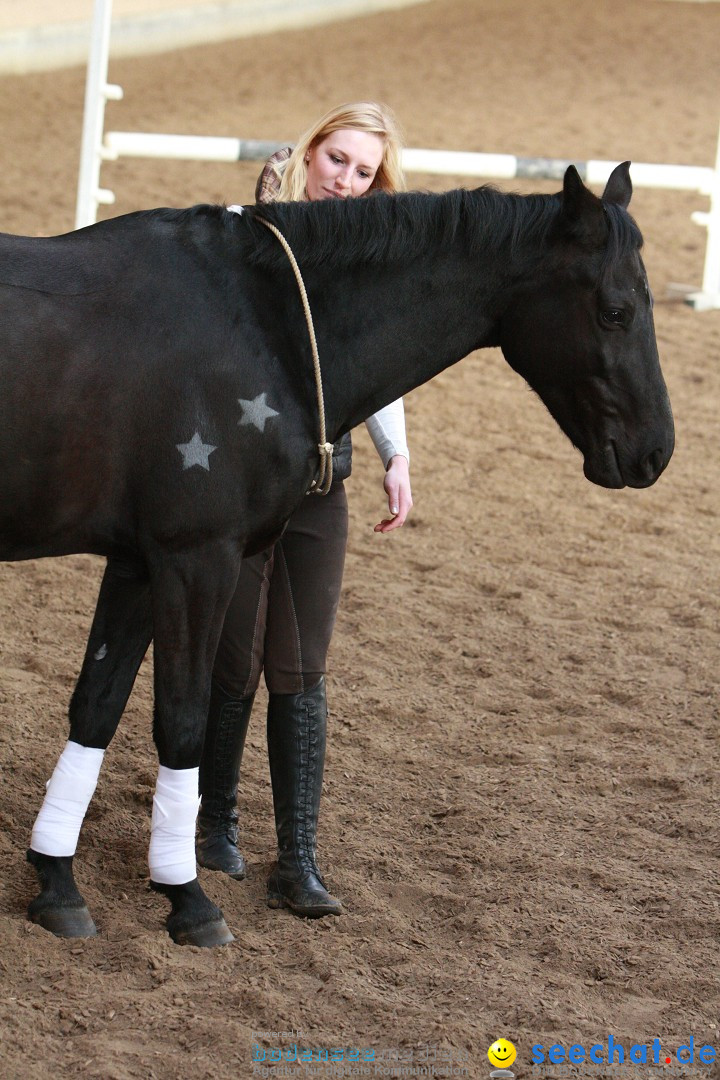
321, 486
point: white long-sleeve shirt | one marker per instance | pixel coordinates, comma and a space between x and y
387, 431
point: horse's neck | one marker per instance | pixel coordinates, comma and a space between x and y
386, 330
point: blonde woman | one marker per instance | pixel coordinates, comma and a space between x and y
282, 616
313, 169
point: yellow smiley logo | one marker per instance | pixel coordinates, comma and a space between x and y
502, 1053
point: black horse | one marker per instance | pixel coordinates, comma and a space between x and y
158, 407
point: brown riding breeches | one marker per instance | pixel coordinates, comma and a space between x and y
282, 614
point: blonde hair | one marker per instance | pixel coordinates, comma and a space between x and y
369, 116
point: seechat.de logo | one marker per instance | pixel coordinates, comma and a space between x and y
613, 1052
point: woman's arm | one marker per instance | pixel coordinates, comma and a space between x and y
387, 431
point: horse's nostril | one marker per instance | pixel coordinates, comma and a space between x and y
654, 464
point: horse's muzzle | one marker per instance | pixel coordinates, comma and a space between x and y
610, 469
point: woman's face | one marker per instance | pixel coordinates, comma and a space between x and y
343, 164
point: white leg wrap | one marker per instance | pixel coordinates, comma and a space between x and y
172, 833
69, 791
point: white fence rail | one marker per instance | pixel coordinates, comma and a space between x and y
115, 144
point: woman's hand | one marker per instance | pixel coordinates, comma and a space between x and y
397, 486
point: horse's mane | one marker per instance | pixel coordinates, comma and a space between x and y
394, 228
383, 229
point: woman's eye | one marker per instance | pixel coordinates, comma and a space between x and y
613, 317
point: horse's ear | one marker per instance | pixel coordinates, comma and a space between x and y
582, 215
618, 189
577, 199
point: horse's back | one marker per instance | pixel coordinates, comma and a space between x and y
55, 265
82, 262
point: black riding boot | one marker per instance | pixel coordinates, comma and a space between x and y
296, 729
216, 843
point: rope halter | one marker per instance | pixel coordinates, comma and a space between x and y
321, 485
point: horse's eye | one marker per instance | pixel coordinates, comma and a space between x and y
613, 317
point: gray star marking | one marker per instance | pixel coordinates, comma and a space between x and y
255, 412
196, 452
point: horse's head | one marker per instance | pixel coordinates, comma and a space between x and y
580, 331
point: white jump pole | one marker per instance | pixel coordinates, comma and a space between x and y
97, 92
440, 162
186, 147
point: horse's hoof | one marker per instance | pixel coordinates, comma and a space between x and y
65, 922
207, 936
194, 920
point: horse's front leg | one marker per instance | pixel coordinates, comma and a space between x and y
191, 592
119, 638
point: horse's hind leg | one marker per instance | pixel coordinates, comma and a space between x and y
119, 639
191, 592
